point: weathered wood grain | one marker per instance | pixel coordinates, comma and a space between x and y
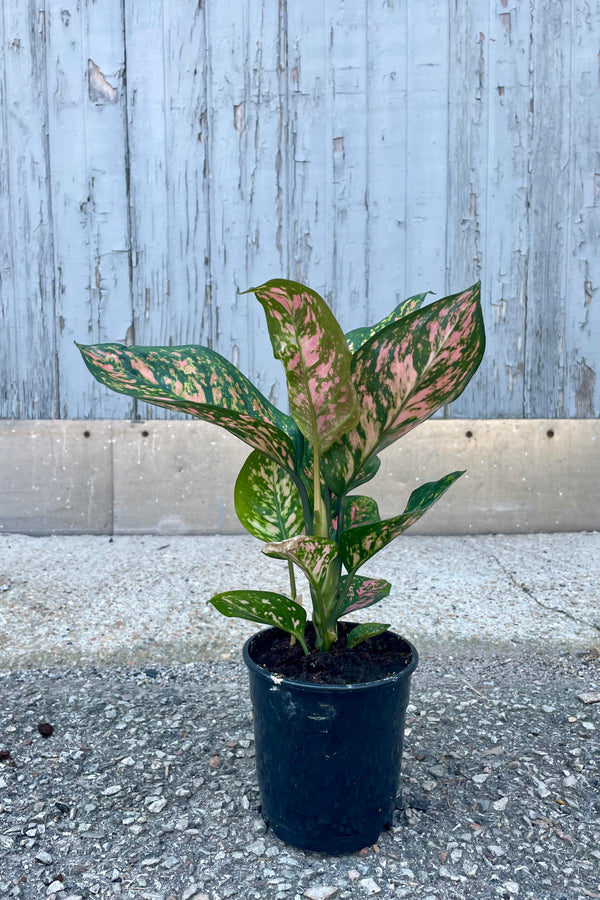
489, 124
28, 382
158, 158
582, 277
84, 53
549, 212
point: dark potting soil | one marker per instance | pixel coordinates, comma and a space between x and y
374, 658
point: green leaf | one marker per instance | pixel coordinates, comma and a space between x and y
362, 592
403, 374
265, 607
310, 343
267, 501
359, 544
312, 554
362, 632
359, 336
200, 382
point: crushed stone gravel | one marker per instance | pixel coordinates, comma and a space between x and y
146, 787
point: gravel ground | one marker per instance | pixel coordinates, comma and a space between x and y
146, 786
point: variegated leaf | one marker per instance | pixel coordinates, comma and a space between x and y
362, 592
200, 382
311, 554
265, 607
310, 343
359, 544
364, 631
359, 336
368, 471
359, 510
267, 501
404, 374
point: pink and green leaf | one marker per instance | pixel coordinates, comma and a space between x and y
364, 631
403, 374
267, 501
311, 554
264, 607
359, 510
359, 336
361, 592
359, 544
310, 343
200, 382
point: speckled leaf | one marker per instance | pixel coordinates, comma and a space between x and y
311, 554
310, 343
364, 631
360, 510
359, 544
403, 374
200, 382
265, 607
368, 471
362, 592
267, 501
359, 336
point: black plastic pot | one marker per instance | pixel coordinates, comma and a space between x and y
327, 756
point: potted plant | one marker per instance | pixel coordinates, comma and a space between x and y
329, 696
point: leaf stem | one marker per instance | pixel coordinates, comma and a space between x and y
292, 579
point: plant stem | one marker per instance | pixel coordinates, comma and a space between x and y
319, 519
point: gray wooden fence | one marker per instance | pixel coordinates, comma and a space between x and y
158, 156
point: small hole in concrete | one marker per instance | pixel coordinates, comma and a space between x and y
86, 434
550, 433
469, 434
145, 433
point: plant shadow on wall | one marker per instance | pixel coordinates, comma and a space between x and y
327, 771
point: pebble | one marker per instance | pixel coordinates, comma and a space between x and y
257, 847
43, 857
321, 892
369, 886
511, 887
500, 805
589, 697
55, 888
157, 805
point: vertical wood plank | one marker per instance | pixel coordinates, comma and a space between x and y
387, 102
582, 387
90, 221
147, 106
28, 387
550, 218
427, 162
167, 139
488, 201
310, 143
247, 172
349, 199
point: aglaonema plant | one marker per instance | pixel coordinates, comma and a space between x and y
350, 396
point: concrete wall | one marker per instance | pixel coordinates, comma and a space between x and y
119, 477
155, 158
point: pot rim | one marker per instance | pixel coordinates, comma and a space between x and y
328, 688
